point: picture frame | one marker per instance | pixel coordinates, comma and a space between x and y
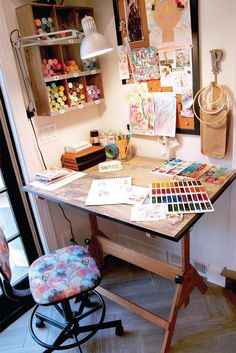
184, 125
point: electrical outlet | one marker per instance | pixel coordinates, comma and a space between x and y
47, 133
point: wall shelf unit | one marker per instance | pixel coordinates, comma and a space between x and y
60, 80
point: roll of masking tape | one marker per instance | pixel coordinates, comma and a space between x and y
111, 151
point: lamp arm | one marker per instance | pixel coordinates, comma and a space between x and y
35, 40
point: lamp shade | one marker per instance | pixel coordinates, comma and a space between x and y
94, 43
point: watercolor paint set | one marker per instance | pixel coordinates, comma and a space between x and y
188, 196
171, 167
195, 170
215, 175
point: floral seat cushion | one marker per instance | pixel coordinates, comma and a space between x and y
63, 274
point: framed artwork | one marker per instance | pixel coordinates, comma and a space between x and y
145, 24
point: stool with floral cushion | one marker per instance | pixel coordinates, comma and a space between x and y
66, 280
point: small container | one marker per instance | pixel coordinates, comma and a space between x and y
94, 138
102, 139
110, 137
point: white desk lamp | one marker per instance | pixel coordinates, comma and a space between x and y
93, 43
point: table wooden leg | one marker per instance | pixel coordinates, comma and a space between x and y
187, 283
94, 247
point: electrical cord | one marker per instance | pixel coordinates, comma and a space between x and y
36, 139
30, 105
71, 230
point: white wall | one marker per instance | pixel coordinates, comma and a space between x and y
211, 236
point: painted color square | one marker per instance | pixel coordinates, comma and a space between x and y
176, 208
208, 205
186, 206
200, 197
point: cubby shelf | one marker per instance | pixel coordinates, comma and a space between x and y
60, 80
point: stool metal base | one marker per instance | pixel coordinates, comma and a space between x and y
70, 326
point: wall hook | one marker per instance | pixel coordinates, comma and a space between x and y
216, 57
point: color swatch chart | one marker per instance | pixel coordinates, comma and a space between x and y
181, 196
193, 170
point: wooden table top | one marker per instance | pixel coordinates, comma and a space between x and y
139, 168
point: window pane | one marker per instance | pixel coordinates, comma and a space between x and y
7, 218
2, 184
18, 260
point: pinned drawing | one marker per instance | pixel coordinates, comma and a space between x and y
169, 25
133, 20
165, 113
176, 69
145, 64
142, 113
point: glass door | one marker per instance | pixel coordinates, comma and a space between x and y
13, 220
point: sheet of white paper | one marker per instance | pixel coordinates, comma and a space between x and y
148, 213
135, 195
108, 191
59, 183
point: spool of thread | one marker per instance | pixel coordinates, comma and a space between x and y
44, 25
51, 67
71, 66
94, 138
89, 64
76, 92
93, 93
56, 97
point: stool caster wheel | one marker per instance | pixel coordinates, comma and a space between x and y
39, 323
119, 331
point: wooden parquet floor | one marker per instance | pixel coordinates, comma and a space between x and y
207, 325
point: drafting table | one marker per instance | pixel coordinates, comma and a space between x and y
185, 276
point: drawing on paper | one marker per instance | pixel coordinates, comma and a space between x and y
145, 64
176, 70
142, 114
169, 25
133, 20
165, 113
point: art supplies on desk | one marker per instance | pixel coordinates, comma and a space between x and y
192, 170
215, 175
142, 213
181, 196
171, 167
115, 190
51, 185
107, 191
123, 143
51, 174
84, 159
135, 195
109, 166
195, 170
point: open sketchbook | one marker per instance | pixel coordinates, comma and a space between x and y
115, 190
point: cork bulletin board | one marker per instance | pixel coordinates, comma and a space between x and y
163, 55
